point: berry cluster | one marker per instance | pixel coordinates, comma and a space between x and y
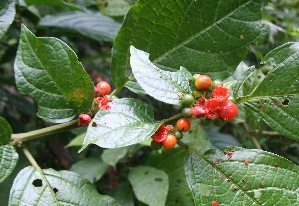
167, 136
100, 91
215, 106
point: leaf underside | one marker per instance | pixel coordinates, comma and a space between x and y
49, 187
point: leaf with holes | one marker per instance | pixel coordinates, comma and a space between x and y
150, 185
91, 25
50, 187
48, 70
8, 160
164, 86
5, 132
127, 122
276, 98
242, 177
206, 36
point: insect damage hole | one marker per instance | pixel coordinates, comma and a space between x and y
94, 124
285, 102
55, 190
37, 183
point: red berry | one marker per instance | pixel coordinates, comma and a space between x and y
183, 124
203, 82
197, 111
227, 111
101, 89
103, 103
84, 119
212, 106
162, 132
220, 93
214, 203
169, 142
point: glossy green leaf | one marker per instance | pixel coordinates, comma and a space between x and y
276, 98
164, 86
48, 70
7, 15
5, 132
172, 162
112, 156
267, 179
195, 34
50, 187
8, 160
127, 122
150, 185
90, 24
90, 168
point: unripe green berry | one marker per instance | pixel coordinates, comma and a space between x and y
186, 111
186, 100
155, 145
215, 83
178, 134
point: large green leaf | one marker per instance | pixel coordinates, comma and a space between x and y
5, 132
112, 156
48, 70
162, 85
172, 162
8, 160
249, 177
96, 168
205, 36
7, 15
150, 185
92, 25
276, 98
50, 187
127, 122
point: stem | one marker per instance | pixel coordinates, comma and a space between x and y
23, 137
173, 118
270, 133
31, 158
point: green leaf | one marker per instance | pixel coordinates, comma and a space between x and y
50, 187
96, 168
164, 86
127, 122
8, 160
48, 70
241, 80
77, 141
135, 87
112, 156
206, 36
276, 98
267, 179
90, 24
172, 162
7, 15
5, 132
150, 185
